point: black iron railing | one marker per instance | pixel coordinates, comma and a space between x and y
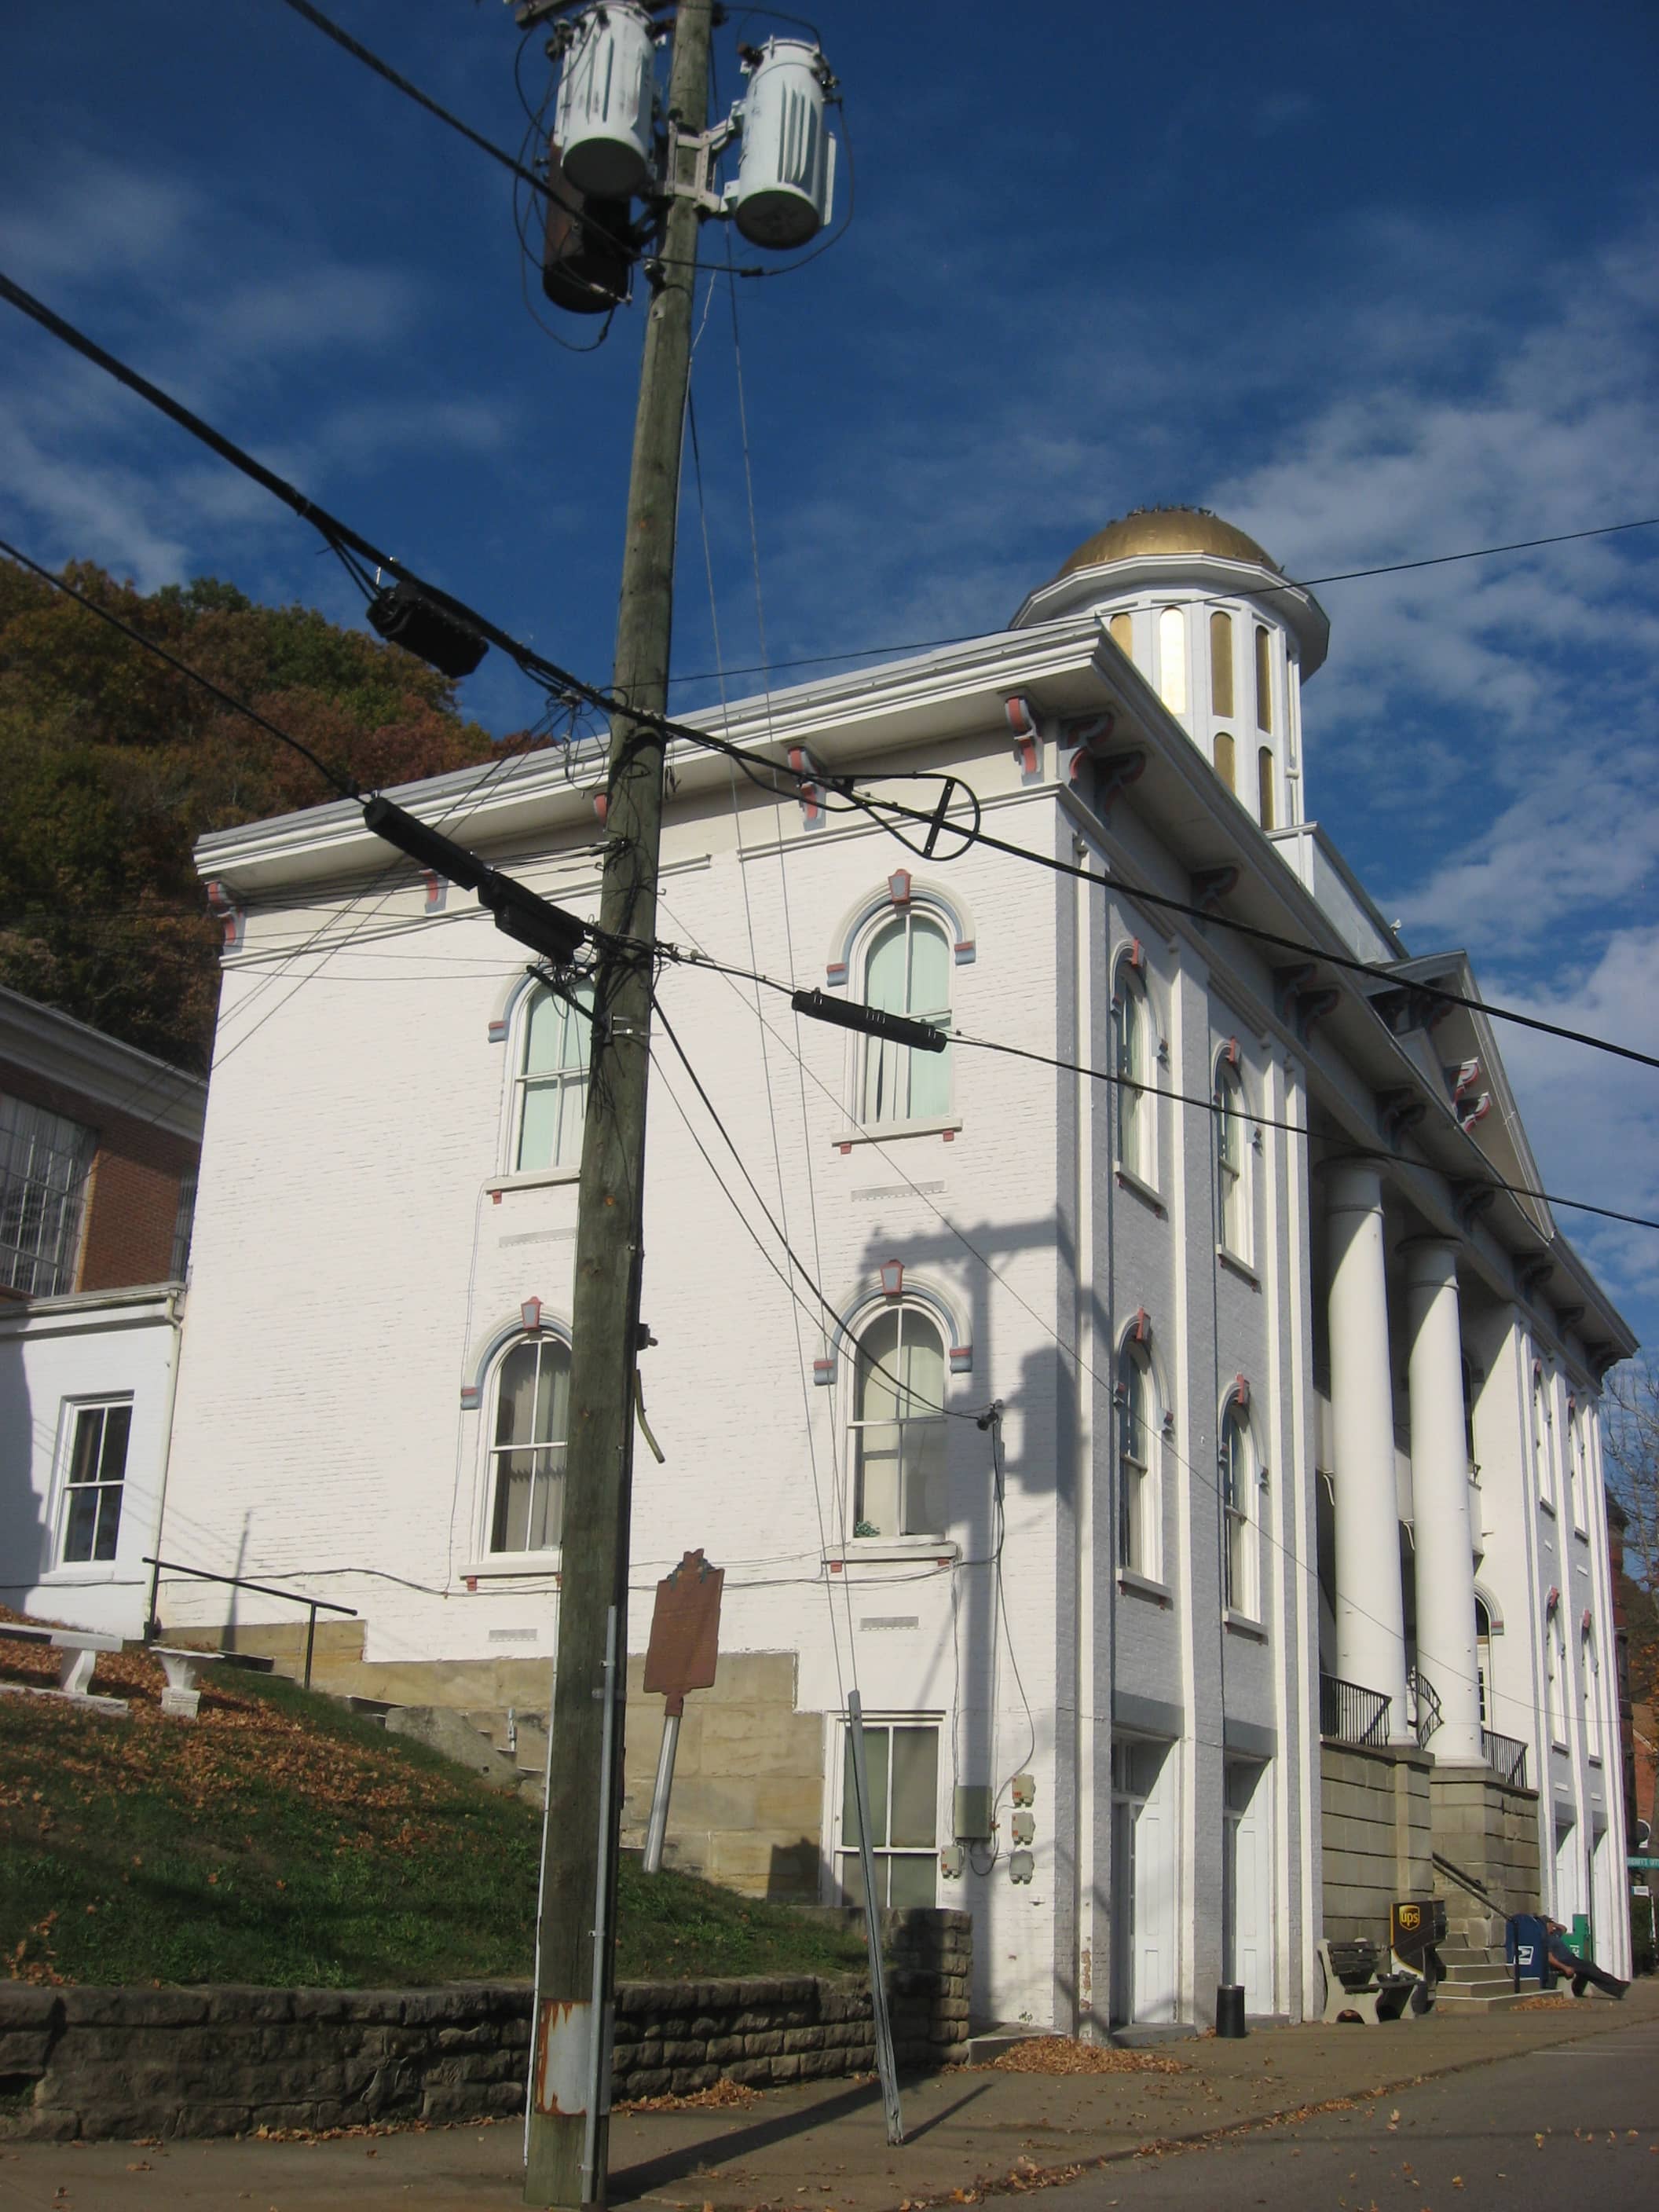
1506, 1757
1423, 1704
1351, 1714
313, 1605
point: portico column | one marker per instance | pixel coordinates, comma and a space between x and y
1370, 1629
1440, 1493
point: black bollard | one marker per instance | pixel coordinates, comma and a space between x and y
1230, 2011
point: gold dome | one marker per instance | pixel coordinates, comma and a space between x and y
1167, 530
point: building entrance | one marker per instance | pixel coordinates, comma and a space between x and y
1246, 1887
1143, 1903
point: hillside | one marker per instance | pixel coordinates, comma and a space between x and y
280, 1840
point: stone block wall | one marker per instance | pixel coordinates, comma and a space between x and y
1377, 1837
221, 2061
1489, 1830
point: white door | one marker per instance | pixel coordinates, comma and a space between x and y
1567, 1899
1145, 1962
1247, 1885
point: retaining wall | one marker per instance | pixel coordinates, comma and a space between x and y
1376, 1834
218, 2062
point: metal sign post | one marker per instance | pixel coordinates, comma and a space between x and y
683, 1654
886, 2066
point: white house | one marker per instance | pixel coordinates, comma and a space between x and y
1198, 1474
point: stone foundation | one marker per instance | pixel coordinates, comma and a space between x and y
1488, 1830
221, 2061
1377, 1827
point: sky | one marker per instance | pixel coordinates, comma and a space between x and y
1375, 284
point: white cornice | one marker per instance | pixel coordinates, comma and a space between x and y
63, 1051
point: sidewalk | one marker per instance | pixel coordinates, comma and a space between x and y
822, 2145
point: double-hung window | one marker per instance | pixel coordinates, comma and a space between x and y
907, 970
1232, 1161
44, 1162
898, 1426
552, 1080
526, 1460
901, 1764
1132, 1066
1136, 1445
89, 1513
1238, 1472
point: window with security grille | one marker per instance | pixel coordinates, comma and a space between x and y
89, 1516
43, 1162
901, 1764
532, 1427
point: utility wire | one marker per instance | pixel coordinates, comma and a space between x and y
884, 812
1298, 584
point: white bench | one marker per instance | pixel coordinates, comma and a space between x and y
77, 1650
182, 1695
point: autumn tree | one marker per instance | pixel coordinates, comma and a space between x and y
113, 765
1632, 1440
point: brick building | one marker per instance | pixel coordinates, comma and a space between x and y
98, 1146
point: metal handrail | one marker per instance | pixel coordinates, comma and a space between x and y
1350, 1713
313, 1605
1427, 1713
1506, 1757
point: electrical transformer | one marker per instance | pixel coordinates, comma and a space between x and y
786, 175
602, 121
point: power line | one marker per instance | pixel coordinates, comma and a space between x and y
1298, 584
761, 771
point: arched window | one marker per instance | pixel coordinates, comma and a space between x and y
1264, 785
1576, 1489
1225, 764
1541, 1441
907, 970
1483, 1658
526, 1460
1139, 1428
1555, 1666
552, 1080
1589, 1670
898, 1426
1221, 664
1121, 631
1133, 1065
1264, 680
1237, 1462
1232, 1161
1172, 660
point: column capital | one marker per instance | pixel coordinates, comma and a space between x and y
1431, 1260
1353, 1182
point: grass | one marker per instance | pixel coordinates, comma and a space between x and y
282, 1840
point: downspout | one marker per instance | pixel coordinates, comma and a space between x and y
175, 1322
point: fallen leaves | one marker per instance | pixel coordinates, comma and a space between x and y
1064, 2054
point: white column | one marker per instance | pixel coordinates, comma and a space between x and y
1370, 1629
1440, 1494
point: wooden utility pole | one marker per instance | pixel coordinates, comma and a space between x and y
566, 2148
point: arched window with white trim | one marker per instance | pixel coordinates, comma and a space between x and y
551, 1095
1577, 1485
1139, 1442
897, 1429
1541, 1436
1232, 1160
1133, 1066
1555, 1667
907, 970
530, 1434
1238, 1486
1590, 1672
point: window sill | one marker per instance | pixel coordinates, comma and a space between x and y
1138, 1585
1240, 1624
1235, 1266
79, 1571
1129, 1181
1593, 1758
903, 1550
516, 1566
532, 1179
1547, 1505
1582, 1535
883, 1132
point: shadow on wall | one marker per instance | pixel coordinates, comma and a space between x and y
25, 1462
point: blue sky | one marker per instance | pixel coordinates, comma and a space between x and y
1372, 283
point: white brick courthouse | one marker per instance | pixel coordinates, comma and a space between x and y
1283, 1574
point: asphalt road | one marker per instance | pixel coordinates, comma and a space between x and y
1575, 2125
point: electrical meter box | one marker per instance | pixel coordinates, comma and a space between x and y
1022, 1789
971, 1813
786, 173
603, 120
1024, 1827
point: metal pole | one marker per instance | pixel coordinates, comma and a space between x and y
153, 1623
656, 1829
885, 2065
599, 2062
310, 1638
605, 1297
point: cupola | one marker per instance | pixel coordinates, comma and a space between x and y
1208, 618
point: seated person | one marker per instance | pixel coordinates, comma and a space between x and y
1582, 1971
